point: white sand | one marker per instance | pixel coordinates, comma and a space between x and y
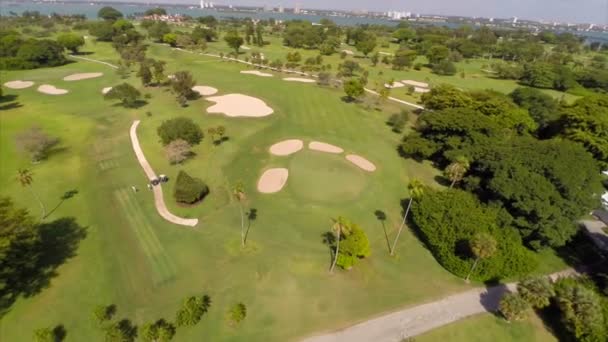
394, 85
171, 77
234, 105
18, 84
286, 147
106, 90
348, 52
361, 162
257, 73
273, 180
51, 90
385, 53
415, 83
204, 90
245, 47
84, 76
324, 147
297, 79
421, 90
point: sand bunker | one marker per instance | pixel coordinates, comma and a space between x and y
361, 162
51, 90
18, 84
348, 52
385, 53
415, 83
245, 47
297, 79
394, 85
324, 147
256, 72
239, 105
204, 90
273, 180
84, 76
286, 147
106, 90
421, 90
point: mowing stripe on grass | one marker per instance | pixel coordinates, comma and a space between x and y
162, 268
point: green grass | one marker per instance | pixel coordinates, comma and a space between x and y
146, 266
487, 327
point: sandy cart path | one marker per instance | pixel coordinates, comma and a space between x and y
397, 326
159, 200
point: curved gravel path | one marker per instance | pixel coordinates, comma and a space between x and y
159, 200
397, 326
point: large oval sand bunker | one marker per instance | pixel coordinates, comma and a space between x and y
361, 162
325, 147
273, 180
18, 84
235, 105
286, 147
257, 73
83, 76
51, 90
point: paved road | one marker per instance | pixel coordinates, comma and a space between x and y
396, 326
159, 200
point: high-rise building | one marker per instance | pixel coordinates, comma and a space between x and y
297, 9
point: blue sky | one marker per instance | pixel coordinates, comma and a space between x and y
595, 11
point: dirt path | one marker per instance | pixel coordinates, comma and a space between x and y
396, 326
159, 200
95, 61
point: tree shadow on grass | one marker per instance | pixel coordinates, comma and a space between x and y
381, 216
329, 240
66, 196
252, 215
9, 102
57, 243
59, 333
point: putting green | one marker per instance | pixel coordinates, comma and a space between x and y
323, 177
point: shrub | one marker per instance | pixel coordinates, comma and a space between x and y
238, 313
398, 120
180, 128
513, 307
192, 310
126, 93
188, 189
178, 151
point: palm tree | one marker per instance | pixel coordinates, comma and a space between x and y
416, 189
483, 246
456, 170
26, 178
341, 227
238, 191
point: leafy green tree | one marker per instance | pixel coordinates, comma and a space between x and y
398, 120
456, 170
103, 313
340, 229
353, 88
234, 41
34, 53
45, 335
437, 53
513, 307
25, 177
416, 189
180, 128
404, 58
539, 75
158, 30
121, 331
375, 58
192, 310
404, 35
581, 310
109, 13
348, 68
445, 96
182, 84
367, 43
537, 291
158, 71
126, 93
188, 189
155, 11
445, 67
586, 122
237, 313
177, 151
145, 74
170, 38
159, 331
543, 108
483, 246
239, 194
354, 246
70, 41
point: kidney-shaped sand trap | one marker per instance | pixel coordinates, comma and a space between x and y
51, 90
298, 79
239, 105
83, 76
18, 84
204, 90
394, 85
286, 147
257, 73
361, 162
324, 147
415, 83
273, 180
106, 90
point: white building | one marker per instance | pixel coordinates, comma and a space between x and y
398, 15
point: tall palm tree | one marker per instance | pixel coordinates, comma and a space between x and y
456, 170
238, 191
341, 227
483, 246
416, 189
26, 178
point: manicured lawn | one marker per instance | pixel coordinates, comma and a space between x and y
487, 327
146, 266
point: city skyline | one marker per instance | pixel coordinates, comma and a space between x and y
586, 11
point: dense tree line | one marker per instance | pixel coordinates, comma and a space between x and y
18, 52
